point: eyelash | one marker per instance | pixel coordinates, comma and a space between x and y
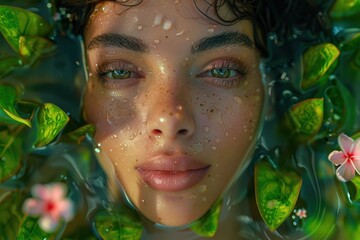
234, 67
113, 83
236, 70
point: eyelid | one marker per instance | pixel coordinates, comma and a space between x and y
231, 64
112, 83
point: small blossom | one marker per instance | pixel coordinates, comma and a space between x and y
301, 213
51, 204
348, 158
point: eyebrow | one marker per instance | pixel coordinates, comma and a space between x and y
117, 40
222, 39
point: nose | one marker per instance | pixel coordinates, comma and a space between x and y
170, 117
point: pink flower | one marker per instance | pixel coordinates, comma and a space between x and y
301, 213
348, 158
50, 204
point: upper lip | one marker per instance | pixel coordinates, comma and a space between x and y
172, 163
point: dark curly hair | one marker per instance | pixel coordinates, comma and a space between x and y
279, 16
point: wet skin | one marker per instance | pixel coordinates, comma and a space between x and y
176, 101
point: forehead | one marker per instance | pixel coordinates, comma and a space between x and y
173, 19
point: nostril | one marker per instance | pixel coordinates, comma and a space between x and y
156, 132
183, 131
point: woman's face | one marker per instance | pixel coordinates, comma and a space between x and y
176, 101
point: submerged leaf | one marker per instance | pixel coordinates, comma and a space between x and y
276, 193
8, 64
8, 112
339, 107
16, 22
306, 117
10, 155
356, 184
50, 121
119, 225
351, 42
10, 212
30, 230
319, 61
31, 48
207, 225
79, 134
345, 8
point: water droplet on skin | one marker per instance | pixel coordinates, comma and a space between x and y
211, 30
135, 19
167, 25
156, 41
142, 200
139, 27
215, 115
158, 19
198, 147
180, 33
206, 129
97, 150
213, 148
202, 188
105, 9
238, 100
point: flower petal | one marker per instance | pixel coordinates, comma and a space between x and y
337, 157
48, 224
58, 191
38, 191
345, 172
66, 209
32, 206
345, 143
356, 163
356, 148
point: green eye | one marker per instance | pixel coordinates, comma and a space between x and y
223, 73
119, 74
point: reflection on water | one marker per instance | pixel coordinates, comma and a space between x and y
325, 208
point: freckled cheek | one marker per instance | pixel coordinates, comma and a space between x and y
109, 115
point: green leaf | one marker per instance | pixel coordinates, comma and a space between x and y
32, 47
276, 193
10, 154
345, 8
356, 185
8, 64
16, 22
319, 61
10, 212
350, 42
8, 112
122, 224
306, 117
79, 134
207, 225
339, 107
50, 121
30, 230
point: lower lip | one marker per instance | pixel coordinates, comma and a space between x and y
172, 181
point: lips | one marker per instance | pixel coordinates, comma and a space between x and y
172, 173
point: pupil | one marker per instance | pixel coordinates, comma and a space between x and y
222, 72
121, 73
